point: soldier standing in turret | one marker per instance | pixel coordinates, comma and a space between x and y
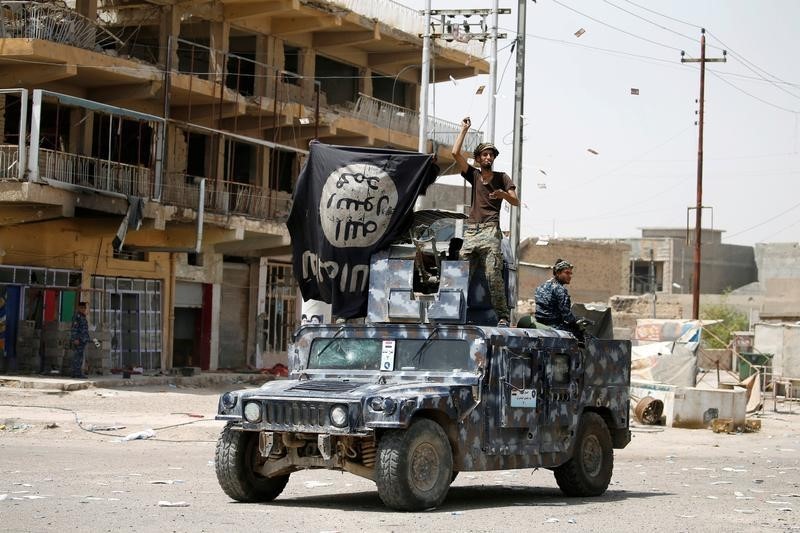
482, 234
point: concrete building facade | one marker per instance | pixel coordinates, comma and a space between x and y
190, 121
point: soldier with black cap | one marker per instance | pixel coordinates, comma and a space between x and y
553, 304
482, 234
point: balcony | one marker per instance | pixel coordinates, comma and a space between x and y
227, 197
396, 118
55, 23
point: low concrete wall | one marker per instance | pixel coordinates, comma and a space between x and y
693, 408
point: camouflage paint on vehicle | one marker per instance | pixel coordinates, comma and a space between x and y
517, 407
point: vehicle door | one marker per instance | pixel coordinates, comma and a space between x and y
512, 409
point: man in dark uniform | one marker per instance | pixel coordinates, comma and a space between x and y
482, 234
553, 304
79, 338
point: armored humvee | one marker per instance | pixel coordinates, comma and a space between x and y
417, 394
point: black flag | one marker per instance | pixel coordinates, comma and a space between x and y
348, 203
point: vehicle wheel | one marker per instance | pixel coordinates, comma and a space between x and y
235, 459
414, 467
589, 470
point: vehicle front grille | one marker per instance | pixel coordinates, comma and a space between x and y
327, 386
307, 414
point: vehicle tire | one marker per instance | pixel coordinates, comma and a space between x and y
414, 467
588, 472
235, 459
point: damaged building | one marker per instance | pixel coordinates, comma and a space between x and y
148, 152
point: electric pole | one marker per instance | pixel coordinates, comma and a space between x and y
450, 29
492, 72
422, 145
699, 206
516, 163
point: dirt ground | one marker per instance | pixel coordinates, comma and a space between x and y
57, 476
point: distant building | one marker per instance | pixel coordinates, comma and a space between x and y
601, 267
723, 267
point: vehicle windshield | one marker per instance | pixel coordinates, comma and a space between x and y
402, 354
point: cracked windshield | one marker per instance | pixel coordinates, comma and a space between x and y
409, 354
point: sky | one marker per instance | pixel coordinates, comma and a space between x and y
578, 97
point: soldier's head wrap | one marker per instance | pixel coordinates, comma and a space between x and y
485, 146
560, 265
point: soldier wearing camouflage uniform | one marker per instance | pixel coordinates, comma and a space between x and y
79, 338
482, 234
553, 304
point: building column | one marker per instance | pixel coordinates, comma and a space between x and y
216, 310
262, 72
219, 36
365, 83
87, 8
252, 355
261, 313
170, 26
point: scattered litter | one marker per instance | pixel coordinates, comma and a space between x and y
50, 425
687, 516
146, 434
93, 498
313, 484
757, 491
729, 469
175, 468
712, 497
3, 497
775, 502
721, 482
165, 503
21, 427
702, 468
758, 481
105, 428
744, 497
745, 511
34, 497
571, 521
784, 509
457, 513
193, 415
165, 481
20, 491
19, 484
551, 521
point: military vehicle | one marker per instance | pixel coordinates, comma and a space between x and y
417, 394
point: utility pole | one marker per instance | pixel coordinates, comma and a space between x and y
453, 30
699, 206
425, 81
516, 163
652, 275
492, 72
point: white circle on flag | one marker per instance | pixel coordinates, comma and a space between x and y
356, 205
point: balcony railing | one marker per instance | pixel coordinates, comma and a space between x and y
9, 161
396, 118
95, 173
51, 22
227, 197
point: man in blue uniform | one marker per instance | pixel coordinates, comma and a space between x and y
553, 304
79, 338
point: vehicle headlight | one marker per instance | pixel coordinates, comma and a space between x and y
229, 400
252, 412
339, 416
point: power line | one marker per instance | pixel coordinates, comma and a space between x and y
770, 219
776, 106
754, 68
663, 15
615, 28
648, 20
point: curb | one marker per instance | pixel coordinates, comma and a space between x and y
114, 382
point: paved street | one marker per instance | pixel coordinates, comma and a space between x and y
65, 478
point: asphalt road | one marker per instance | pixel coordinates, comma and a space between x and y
65, 478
